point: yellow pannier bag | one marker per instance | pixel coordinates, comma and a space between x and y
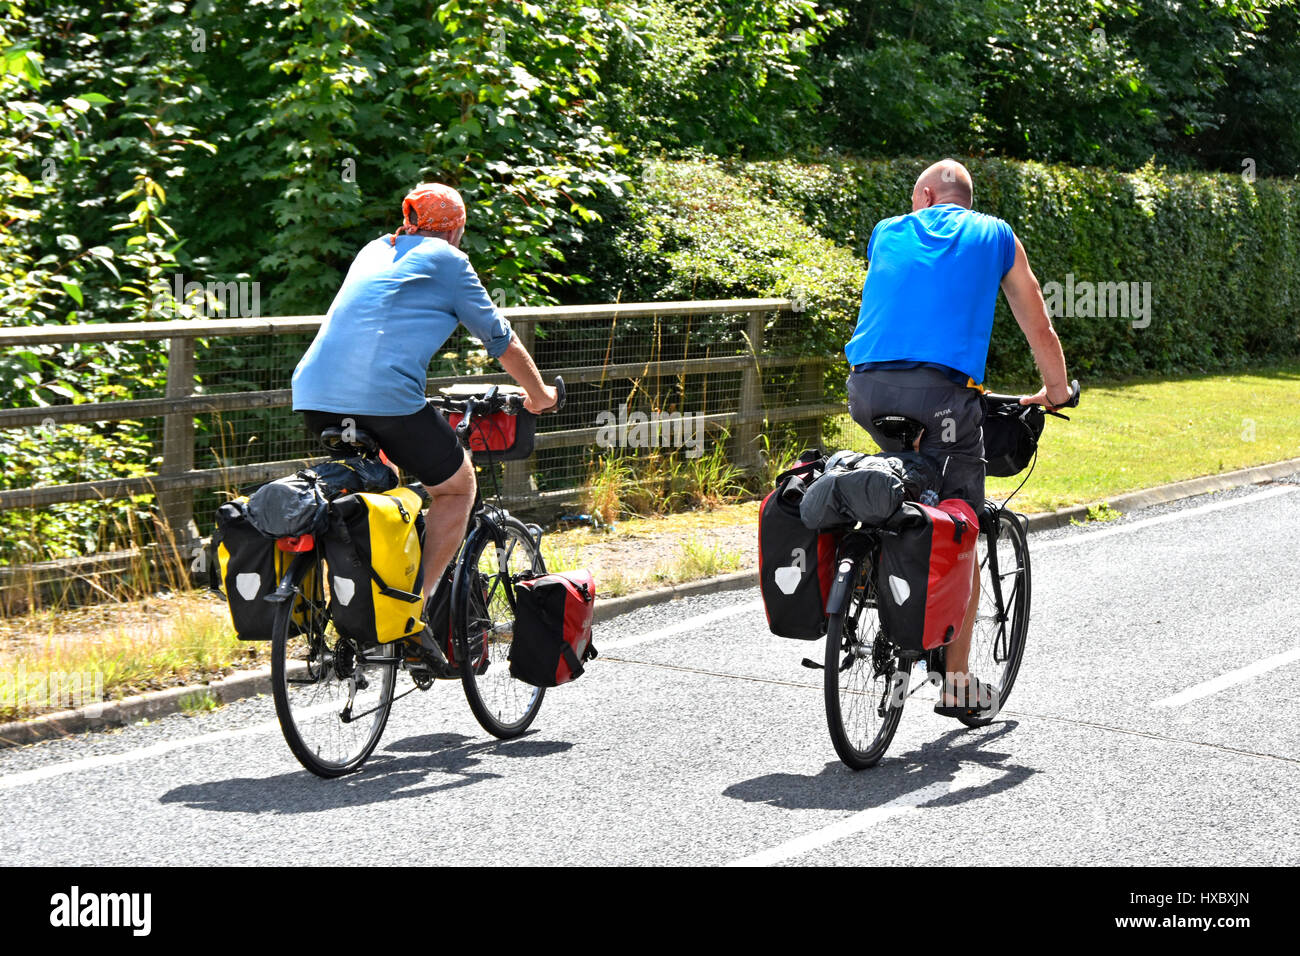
373, 551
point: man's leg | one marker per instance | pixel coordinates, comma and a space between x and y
450, 504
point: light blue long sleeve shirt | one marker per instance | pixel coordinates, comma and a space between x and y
397, 307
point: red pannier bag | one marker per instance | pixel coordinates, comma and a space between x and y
552, 638
925, 574
504, 437
796, 565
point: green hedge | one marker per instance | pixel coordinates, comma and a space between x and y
692, 230
1222, 255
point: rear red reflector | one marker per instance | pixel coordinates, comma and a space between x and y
299, 542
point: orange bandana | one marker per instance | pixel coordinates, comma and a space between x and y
431, 206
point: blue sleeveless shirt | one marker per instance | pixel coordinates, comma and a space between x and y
932, 281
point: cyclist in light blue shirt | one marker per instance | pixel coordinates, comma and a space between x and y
402, 299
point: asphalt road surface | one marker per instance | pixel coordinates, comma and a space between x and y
1156, 720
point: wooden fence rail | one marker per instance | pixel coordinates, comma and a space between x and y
177, 478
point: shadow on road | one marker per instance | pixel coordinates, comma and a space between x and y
429, 763
896, 779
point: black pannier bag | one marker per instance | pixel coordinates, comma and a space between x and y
796, 564
925, 575
552, 638
866, 488
245, 567
1011, 433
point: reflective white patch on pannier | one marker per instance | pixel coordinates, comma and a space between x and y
248, 584
900, 589
344, 588
787, 579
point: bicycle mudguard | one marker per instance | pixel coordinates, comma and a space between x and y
851, 555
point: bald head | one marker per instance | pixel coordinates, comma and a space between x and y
945, 181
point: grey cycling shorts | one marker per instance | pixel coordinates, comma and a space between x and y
953, 417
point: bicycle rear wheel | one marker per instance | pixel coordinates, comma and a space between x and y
485, 615
331, 697
998, 636
865, 685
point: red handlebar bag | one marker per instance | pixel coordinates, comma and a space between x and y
926, 576
501, 436
552, 638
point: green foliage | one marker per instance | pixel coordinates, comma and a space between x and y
53, 454
697, 231
1077, 81
721, 75
1222, 254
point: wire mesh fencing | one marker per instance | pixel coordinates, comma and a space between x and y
120, 437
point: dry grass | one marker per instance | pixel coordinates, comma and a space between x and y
124, 648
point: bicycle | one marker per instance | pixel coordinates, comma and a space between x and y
867, 676
333, 695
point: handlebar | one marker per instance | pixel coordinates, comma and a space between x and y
492, 401
1071, 402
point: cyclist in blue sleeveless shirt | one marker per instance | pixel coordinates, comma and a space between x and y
403, 297
922, 340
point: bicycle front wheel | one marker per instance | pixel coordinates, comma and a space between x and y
865, 683
1002, 623
332, 698
494, 559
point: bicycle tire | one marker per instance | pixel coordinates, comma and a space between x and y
307, 697
995, 650
863, 701
485, 617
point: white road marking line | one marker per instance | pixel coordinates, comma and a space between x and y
1090, 536
862, 820
1230, 679
687, 625
108, 760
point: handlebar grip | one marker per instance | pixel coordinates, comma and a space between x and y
462, 427
1074, 395
559, 394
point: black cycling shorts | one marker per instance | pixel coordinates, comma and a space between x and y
953, 417
422, 444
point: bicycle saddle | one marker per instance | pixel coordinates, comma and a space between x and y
900, 429
362, 441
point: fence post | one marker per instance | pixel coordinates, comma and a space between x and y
516, 475
177, 507
812, 379
751, 398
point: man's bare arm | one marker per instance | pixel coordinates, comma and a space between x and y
520, 366
1027, 305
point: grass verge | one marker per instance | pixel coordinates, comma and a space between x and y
54, 660
1134, 435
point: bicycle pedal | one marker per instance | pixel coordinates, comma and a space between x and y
812, 664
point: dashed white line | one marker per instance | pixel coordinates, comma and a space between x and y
1230, 679
108, 760
864, 819
1090, 536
